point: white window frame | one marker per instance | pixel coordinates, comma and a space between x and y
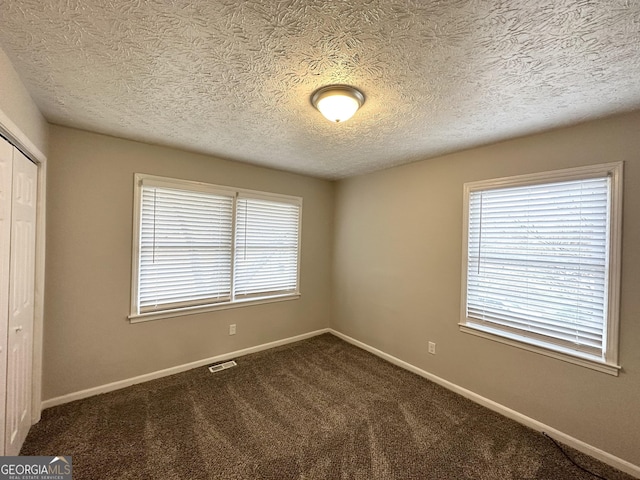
609, 363
139, 178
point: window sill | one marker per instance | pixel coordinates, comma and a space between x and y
593, 364
178, 312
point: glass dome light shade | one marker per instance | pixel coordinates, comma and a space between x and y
337, 103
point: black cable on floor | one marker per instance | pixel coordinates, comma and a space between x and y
572, 460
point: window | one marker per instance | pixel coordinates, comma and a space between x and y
541, 262
199, 246
266, 259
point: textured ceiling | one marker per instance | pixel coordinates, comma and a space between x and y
233, 78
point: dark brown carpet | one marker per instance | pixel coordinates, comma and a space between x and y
317, 409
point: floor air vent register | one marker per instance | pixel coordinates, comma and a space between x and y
218, 367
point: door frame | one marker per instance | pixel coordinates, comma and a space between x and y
14, 134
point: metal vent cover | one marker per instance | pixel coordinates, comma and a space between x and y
222, 366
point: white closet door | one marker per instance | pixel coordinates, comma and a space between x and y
21, 301
6, 179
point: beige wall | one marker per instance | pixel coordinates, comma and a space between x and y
397, 279
17, 106
88, 339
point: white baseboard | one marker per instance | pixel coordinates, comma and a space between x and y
579, 445
90, 392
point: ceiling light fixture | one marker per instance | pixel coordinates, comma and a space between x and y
337, 102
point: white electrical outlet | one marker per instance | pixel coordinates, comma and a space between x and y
432, 348
232, 329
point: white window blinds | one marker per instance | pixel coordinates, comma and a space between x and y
185, 248
266, 247
538, 262
201, 247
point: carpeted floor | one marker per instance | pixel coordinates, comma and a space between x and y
317, 409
